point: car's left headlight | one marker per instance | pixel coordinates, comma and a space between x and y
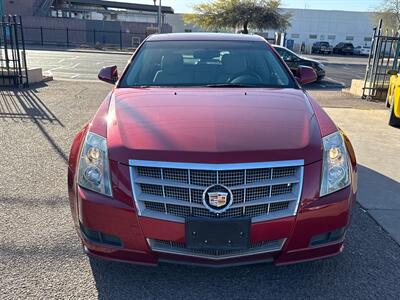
94, 170
321, 66
335, 165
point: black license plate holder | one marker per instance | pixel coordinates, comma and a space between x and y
203, 234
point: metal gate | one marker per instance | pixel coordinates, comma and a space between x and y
13, 68
383, 57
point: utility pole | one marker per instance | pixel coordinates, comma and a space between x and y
159, 18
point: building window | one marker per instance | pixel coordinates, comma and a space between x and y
188, 30
368, 39
313, 36
349, 38
295, 35
331, 37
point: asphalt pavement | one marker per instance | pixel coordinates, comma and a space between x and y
340, 70
74, 65
41, 257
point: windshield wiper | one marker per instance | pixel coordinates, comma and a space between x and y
231, 85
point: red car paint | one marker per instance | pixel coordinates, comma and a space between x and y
213, 126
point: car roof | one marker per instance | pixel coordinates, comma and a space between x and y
205, 36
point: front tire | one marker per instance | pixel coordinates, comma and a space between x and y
393, 120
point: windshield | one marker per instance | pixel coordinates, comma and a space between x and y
206, 63
326, 44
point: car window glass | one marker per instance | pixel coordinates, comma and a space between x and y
201, 63
286, 54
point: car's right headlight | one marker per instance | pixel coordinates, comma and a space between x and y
94, 170
335, 165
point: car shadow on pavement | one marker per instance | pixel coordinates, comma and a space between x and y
24, 105
377, 191
369, 260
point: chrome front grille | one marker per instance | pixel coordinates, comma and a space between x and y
181, 249
173, 191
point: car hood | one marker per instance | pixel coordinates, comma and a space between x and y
212, 125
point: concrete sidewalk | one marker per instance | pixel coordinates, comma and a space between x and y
377, 147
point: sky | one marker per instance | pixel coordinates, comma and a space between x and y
183, 6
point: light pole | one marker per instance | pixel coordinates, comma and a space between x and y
159, 16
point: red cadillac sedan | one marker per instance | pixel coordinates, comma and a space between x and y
208, 151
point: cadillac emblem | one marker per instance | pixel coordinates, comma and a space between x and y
217, 198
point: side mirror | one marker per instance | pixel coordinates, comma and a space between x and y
109, 74
305, 75
392, 72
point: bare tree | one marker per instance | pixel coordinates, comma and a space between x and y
389, 12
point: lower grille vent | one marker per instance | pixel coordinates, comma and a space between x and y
180, 248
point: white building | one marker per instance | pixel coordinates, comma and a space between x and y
309, 26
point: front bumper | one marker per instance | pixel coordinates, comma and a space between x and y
316, 217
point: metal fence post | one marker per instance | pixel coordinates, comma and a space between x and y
67, 37
17, 52
120, 39
94, 37
41, 35
4, 25
25, 64
13, 50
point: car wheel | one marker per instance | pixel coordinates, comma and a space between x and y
393, 120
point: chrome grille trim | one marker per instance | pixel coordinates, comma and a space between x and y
171, 247
273, 192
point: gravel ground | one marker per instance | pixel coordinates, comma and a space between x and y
40, 255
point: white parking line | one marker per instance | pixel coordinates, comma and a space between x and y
56, 68
335, 81
74, 66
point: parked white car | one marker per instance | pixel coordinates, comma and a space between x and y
362, 50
